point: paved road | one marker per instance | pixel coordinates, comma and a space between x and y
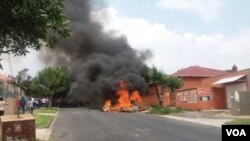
93, 125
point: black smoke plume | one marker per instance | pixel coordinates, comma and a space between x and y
96, 60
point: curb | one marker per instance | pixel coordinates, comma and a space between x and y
52, 125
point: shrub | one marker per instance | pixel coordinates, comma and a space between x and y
164, 110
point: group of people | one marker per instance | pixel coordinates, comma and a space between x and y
25, 105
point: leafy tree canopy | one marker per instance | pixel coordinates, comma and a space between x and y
24, 79
154, 75
25, 23
51, 81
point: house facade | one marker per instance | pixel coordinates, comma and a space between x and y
11, 92
206, 88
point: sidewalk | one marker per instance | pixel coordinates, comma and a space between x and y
210, 118
203, 121
44, 134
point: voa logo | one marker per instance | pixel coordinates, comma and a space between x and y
236, 132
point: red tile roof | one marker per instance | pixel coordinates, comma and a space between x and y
197, 71
5, 78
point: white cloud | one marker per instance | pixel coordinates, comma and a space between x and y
12, 65
208, 10
173, 50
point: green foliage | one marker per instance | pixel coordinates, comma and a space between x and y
145, 73
52, 110
22, 75
25, 23
51, 81
164, 110
153, 75
172, 82
25, 80
43, 121
160, 80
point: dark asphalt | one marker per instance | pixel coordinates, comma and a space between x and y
94, 125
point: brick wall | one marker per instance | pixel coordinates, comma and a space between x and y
219, 98
191, 99
204, 105
191, 82
150, 100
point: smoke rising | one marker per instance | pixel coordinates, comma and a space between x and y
97, 60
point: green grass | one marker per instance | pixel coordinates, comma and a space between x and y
164, 110
245, 121
43, 121
51, 110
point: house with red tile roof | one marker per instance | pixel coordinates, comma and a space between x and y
206, 88
192, 76
197, 71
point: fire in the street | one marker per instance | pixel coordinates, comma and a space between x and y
126, 101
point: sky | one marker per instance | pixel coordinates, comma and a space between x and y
180, 33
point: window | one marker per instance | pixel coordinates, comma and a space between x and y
205, 98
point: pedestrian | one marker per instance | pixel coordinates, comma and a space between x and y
2, 104
30, 105
23, 104
43, 102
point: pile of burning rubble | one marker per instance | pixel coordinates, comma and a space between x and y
126, 101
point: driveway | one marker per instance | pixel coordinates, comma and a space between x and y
94, 125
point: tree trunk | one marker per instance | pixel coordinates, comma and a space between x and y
158, 94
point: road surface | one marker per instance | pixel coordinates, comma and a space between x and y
94, 125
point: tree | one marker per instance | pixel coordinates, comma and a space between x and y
145, 73
159, 80
22, 75
52, 82
25, 23
173, 83
24, 80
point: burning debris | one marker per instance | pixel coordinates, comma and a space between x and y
98, 59
126, 102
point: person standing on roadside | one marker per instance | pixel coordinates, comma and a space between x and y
2, 104
23, 104
30, 105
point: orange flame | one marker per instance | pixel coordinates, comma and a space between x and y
107, 105
124, 102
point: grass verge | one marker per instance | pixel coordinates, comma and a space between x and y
43, 121
245, 121
51, 110
164, 110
